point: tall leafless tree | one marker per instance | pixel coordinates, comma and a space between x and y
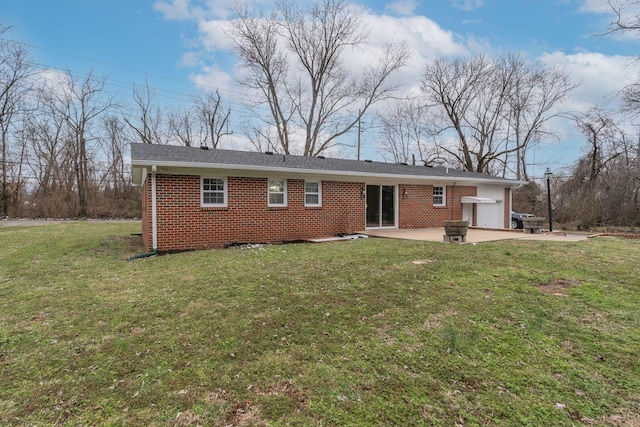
494, 107
147, 119
406, 133
214, 116
296, 64
626, 20
15, 70
83, 101
536, 90
182, 126
603, 137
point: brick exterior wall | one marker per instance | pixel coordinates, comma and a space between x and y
183, 224
416, 208
507, 208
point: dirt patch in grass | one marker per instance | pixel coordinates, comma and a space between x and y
244, 414
121, 247
188, 418
557, 287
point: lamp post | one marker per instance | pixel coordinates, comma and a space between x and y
548, 176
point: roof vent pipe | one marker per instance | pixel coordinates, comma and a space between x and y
269, 153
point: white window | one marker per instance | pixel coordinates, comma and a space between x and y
439, 196
313, 193
214, 192
277, 192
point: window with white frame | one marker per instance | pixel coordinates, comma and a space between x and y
313, 193
439, 196
277, 192
214, 192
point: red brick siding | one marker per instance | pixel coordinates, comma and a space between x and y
507, 208
182, 224
416, 208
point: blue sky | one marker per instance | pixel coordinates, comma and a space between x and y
175, 44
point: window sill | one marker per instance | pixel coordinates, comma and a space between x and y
214, 208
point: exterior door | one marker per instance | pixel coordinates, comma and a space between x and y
381, 206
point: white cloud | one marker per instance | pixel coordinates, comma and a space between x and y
177, 10
213, 35
184, 10
595, 6
467, 5
403, 7
212, 77
55, 82
601, 77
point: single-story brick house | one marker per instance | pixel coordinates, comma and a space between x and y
194, 198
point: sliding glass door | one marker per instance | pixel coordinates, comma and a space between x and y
381, 209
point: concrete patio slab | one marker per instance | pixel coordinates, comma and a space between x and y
474, 235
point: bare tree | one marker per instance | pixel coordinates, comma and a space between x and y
147, 125
626, 20
15, 69
495, 108
602, 134
182, 126
51, 159
82, 102
626, 16
296, 63
214, 116
603, 188
405, 132
114, 146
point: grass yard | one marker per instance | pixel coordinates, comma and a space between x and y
361, 333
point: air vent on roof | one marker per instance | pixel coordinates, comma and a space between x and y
403, 163
204, 147
320, 157
269, 153
368, 161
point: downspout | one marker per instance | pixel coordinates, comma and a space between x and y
154, 211
154, 227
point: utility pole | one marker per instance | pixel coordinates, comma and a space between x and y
359, 132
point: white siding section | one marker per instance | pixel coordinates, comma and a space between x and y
491, 215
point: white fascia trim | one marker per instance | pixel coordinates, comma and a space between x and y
319, 172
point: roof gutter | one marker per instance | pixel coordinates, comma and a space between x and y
351, 174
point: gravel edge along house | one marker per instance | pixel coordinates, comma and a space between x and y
195, 198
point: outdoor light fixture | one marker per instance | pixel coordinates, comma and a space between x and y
548, 176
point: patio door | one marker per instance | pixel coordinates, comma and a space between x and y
381, 206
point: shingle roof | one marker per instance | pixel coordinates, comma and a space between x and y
148, 154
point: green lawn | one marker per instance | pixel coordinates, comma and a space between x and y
366, 332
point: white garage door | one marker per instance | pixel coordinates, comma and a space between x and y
491, 215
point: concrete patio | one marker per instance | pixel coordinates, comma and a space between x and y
474, 235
